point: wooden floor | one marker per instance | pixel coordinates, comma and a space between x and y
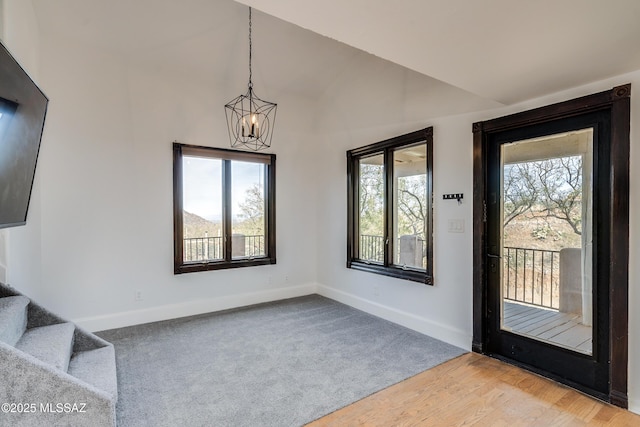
552, 326
475, 390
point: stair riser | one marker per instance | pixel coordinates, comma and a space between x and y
98, 368
52, 344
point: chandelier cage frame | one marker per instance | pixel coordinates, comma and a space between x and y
250, 119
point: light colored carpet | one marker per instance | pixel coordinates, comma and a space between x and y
278, 364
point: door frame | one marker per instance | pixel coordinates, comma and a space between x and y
617, 102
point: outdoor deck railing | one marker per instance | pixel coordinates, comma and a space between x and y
372, 248
210, 248
532, 276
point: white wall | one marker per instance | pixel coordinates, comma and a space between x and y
21, 263
444, 310
106, 172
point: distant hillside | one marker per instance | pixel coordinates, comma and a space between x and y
538, 231
196, 226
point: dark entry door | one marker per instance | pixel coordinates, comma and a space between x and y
548, 248
551, 241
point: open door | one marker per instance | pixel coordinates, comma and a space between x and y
551, 241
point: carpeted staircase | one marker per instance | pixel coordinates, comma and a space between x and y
52, 372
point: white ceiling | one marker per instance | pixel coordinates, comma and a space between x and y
487, 51
505, 50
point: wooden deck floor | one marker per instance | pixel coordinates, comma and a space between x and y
475, 390
547, 325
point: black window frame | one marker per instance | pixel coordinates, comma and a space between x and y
387, 148
227, 156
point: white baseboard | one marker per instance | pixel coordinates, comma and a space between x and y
634, 406
190, 308
453, 336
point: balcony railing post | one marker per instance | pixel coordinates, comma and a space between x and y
570, 278
371, 248
533, 278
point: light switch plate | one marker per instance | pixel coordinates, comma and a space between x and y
456, 226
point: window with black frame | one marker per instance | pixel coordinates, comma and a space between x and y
224, 208
390, 207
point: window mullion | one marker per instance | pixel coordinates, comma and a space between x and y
226, 203
388, 207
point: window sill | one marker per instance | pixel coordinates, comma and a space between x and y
396, 272
221, 265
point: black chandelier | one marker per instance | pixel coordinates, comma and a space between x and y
250, 119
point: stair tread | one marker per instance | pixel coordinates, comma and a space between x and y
13, 318
96, 367
51, 344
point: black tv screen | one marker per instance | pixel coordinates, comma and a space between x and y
23, 108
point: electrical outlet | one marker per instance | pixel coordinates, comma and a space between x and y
137, 295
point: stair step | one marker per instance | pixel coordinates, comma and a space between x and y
96, 367
51, 344
13, 318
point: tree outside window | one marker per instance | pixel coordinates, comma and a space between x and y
390, 213
224, 208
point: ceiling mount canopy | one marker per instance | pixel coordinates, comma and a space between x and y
250, 119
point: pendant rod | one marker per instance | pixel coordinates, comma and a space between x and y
250, 49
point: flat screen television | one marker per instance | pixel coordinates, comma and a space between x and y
23, 108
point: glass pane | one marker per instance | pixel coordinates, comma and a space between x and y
547, 239
247, 210
410, 206
371, 209
202, 204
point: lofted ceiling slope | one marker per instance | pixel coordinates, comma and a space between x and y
504, 50
207, 40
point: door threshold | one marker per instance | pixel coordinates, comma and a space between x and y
557, 378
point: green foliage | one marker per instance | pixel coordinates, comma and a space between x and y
251, 220
411, 202
371, 200
551, 187
412, 205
